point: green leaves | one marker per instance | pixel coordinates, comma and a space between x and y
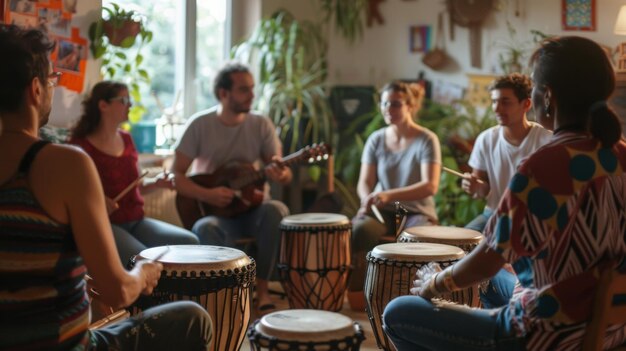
348, 16
290, 58
122, 62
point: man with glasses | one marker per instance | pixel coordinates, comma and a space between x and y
54, 227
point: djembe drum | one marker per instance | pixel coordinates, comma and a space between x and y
466, 239
305, 330
391, 272
218, 278
314, 259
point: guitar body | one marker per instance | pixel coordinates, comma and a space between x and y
248, 197
247, 182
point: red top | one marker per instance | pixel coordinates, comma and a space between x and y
116, 173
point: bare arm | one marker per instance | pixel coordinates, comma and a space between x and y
218, 196
365, 186
77, 198
481, 264
427, 186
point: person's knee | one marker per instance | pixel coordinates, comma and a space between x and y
275, 209
208, 231
198, 319
364, 237
189, 239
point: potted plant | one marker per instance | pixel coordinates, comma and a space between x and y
289, 58
118, 38
121, 26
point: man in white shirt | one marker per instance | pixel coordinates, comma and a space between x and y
497, 153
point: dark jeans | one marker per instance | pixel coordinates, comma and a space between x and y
181, 325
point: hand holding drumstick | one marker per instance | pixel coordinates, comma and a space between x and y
112, 205
471, 184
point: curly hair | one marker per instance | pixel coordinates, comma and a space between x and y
521, 85
224, 80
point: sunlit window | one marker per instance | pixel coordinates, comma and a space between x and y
166, 57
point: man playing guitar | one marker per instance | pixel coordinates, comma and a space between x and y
217, 137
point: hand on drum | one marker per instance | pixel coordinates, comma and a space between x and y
379, 199
151, 272
423, 275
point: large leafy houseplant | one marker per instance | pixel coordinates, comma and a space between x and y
289, 59
118, 38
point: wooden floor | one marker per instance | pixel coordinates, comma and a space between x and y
369, 344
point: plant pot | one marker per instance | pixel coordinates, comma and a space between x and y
117, 34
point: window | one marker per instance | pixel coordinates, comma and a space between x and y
188, 47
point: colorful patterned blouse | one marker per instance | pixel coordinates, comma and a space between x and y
561, 220
43, 303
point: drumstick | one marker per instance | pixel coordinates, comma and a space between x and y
459, 174
159, 256
129, 187
377, 213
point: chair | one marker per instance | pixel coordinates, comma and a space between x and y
609, 307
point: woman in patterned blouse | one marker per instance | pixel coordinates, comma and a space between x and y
561, 220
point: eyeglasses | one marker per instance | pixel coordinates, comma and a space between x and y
54, 78
391, 104
125, 100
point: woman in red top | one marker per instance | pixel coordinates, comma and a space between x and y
115, 156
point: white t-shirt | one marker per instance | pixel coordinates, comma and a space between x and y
493, 154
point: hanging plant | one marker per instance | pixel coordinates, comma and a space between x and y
347, 15
117, 38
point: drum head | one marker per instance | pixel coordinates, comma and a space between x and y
206, 256
306, 325
418, 252
314, 219
453, 234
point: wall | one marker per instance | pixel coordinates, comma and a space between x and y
383, 53
66, 106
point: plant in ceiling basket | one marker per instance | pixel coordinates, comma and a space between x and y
117, 38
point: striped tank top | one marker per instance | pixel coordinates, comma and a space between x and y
43, 303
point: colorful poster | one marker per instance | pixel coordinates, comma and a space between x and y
55, 18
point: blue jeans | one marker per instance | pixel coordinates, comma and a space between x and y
480, 221
181, 325
499, 290
261, 223
415, 324
133, 237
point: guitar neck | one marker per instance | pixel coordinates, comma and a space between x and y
303, 155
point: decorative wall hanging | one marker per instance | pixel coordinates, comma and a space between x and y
437, 58
419, 38
579, 14
471, 14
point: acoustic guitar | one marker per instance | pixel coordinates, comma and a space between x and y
247, 182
